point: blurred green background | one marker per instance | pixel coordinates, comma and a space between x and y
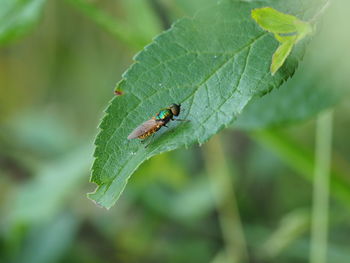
246, 196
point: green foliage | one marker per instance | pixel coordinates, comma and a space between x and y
282, 52
136, 32
17, 17
141, 19
302, 160
55, 182
53, 86
279, 23
48, 242
299, 99
213, 64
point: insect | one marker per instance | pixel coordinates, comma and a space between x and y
153, 125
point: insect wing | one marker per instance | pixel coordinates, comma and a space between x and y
143, 128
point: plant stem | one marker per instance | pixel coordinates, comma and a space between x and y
223, 191
319, 226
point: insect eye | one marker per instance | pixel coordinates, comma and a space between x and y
175, 109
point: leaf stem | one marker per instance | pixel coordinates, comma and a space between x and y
223, 191
319, 226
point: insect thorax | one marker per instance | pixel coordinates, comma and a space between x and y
164, 115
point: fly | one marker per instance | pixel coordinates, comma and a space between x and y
152, 125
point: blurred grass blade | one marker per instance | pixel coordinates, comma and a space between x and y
320, 206
224, 196
18, 17
141, 18
291, 228
302, 161
113, 25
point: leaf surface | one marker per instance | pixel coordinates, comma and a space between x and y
213, 64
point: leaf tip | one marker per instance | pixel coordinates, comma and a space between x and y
274, 68
92, 197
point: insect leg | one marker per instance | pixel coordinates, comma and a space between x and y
150, 140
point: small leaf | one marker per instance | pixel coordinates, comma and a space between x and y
213, 64
274, 21
279, 23
281, 54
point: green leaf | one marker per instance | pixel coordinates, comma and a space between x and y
213, 64
281, 54
17, 17
318, 84
279, 23
274, 21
